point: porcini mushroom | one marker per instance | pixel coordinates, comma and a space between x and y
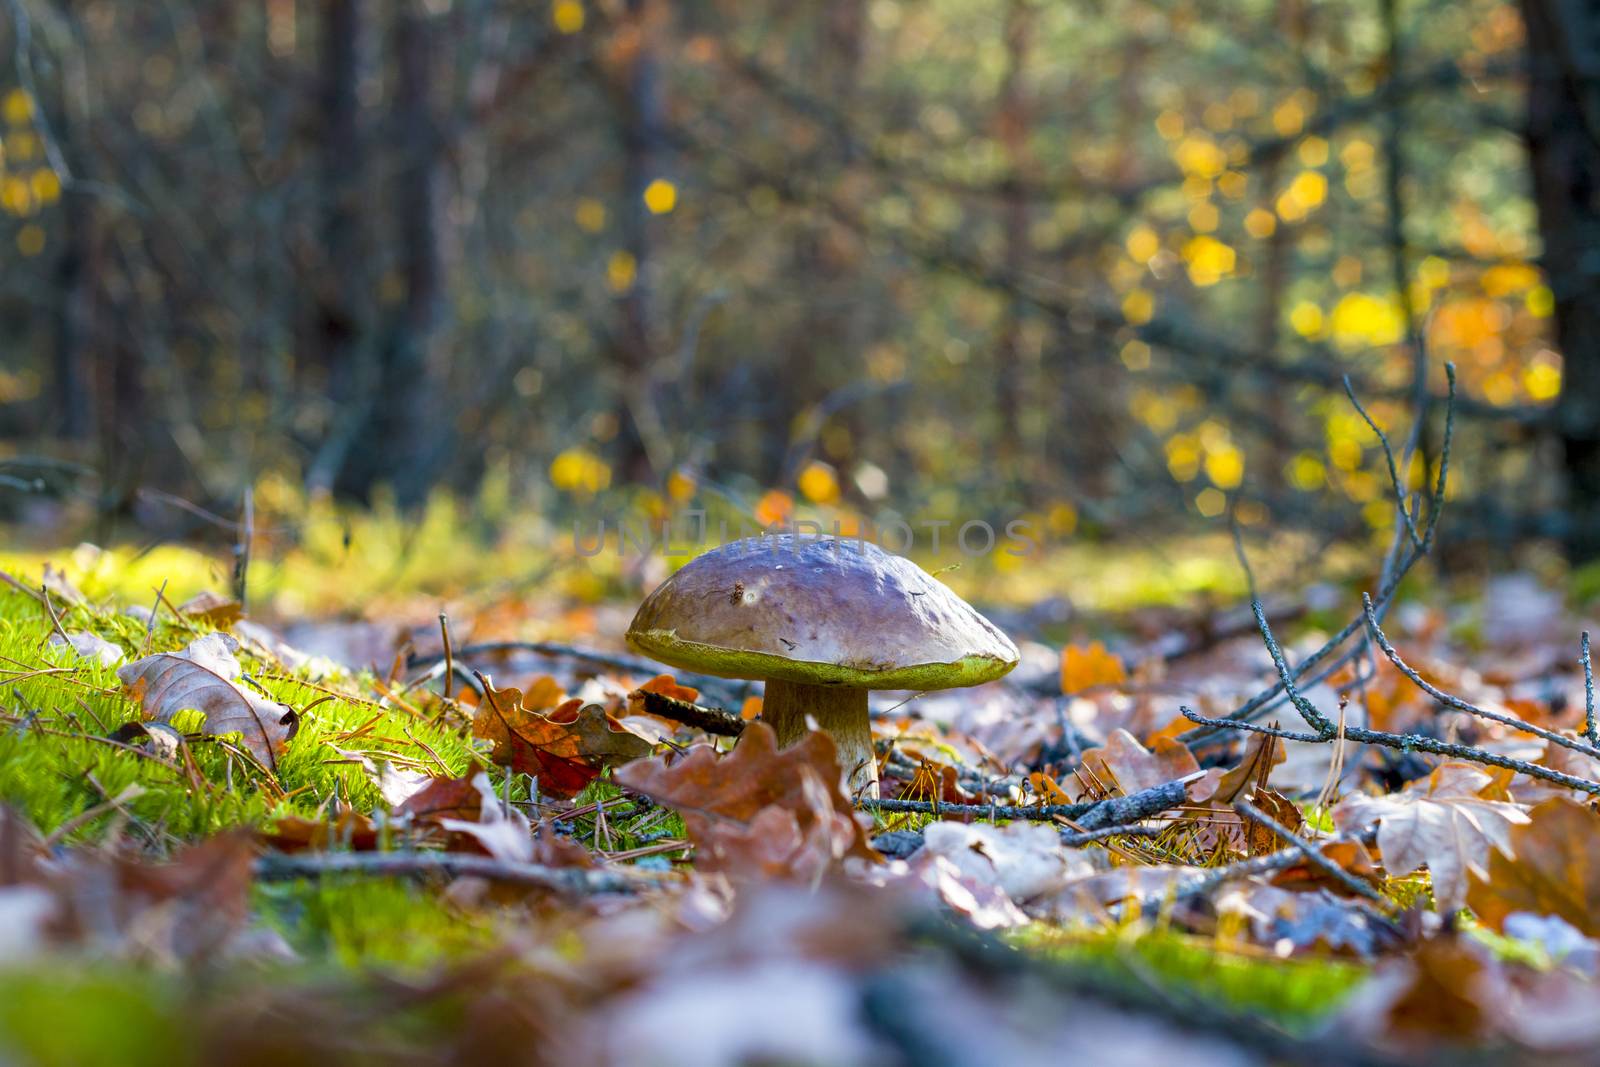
820, 621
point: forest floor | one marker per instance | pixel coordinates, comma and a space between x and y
334, 827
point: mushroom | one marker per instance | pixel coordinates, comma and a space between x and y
820, 621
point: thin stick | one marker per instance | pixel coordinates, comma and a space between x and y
150, 624
1308, 711
51, 610
1403, 742
1075, 838
449, 659
1264, 702
1093, 814
1394, 471
241, 549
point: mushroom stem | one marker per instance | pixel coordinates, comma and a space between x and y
841, 711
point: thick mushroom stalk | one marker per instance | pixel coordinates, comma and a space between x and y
841, 711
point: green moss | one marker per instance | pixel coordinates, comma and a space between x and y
1295, 990
360, 922
55, 763
63, 1014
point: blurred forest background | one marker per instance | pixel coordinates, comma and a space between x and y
1105, 263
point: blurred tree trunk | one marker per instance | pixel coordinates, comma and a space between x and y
643, 137
1014, 123
403, 435
1563, 136
340, 364
72, 390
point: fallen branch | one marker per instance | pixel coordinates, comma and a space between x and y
574, 881
1090, 815
1323, 732
1075, 840
1395, 570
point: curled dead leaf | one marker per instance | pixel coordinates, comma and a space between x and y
201, 677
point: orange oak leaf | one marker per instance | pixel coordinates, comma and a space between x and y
1086, 666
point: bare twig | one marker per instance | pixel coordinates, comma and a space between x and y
1264, 702
50, 609
1394, 470
449, 658
1091, 815
241, 549
1326, 733
1073, 839
150, 624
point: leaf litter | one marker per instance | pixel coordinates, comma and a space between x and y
620, 851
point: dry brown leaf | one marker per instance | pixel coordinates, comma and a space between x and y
1442, 991
214, 609
566, 748
722, 796
444, 798
201, 678
1122, 763
1304, 920
1555, 869
350, 830
1442, 821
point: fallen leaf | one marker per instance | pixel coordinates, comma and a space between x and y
1087, 666
566, 748
1553, 868
58, 585
1123, 765
1440, 821
710, 790
665, 685
505, 833
1024, 859
201, 678
1305, 920
157, 738
1442, 990
212, 609
444, 798
91, 647
350, 830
